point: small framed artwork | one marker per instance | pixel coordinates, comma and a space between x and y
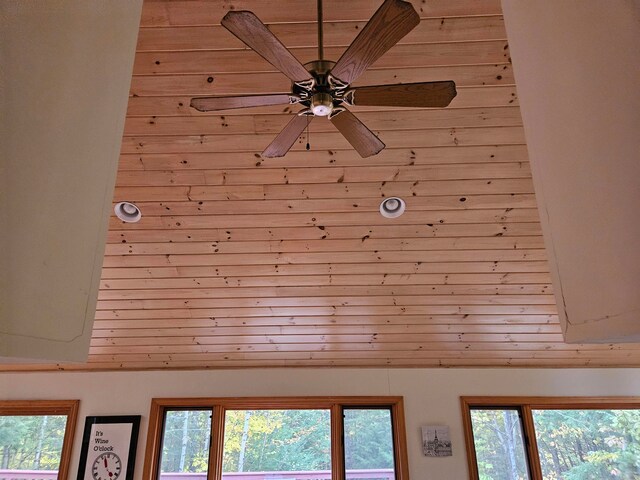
109, 448
436, 441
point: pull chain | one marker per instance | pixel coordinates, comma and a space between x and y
308, 136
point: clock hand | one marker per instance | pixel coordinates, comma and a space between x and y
105, 463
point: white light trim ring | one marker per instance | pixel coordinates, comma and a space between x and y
127, 212
392, 207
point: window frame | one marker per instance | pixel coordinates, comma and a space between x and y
526, 405
219, 406
69, 408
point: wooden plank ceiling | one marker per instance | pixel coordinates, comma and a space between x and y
241, 261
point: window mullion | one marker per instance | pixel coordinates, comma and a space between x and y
337, 442
535, 470
214, 471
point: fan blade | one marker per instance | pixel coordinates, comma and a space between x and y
423, 94
287, 137
393, 20
250, 30
358, 135
208, 104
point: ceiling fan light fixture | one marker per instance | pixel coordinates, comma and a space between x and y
392, 207
127, 212
322, 104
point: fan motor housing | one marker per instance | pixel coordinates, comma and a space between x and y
319, 69
322, 96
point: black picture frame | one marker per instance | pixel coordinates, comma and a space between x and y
128, 450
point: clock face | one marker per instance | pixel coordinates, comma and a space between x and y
106, 467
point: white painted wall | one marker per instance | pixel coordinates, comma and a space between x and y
65, 71
577, 68
431, 395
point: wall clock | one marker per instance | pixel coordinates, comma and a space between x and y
107, 466
109, 448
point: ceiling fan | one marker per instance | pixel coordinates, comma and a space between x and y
323, 87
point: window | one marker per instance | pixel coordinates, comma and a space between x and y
282, 441
311, 438
368, 443
185, 443
499, 443
35, 439
552, 438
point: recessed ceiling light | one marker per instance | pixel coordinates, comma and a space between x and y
392, 207
127, 212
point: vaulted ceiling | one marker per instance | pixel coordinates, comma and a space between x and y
243, 261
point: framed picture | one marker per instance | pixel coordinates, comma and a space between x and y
109, 448
436, 441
